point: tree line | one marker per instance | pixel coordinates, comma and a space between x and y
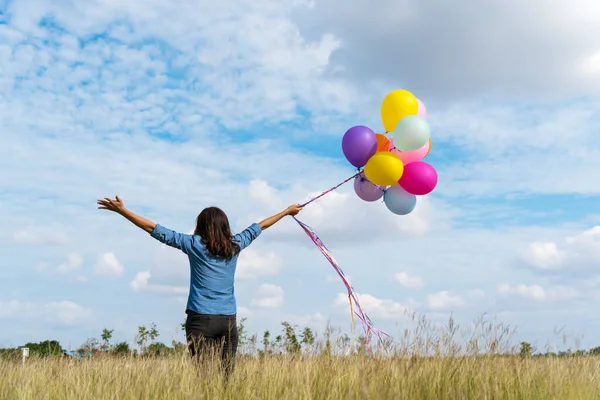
291, 340
288, 341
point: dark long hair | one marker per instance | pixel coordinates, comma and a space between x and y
212, 225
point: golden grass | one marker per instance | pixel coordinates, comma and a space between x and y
432, 361
354, 377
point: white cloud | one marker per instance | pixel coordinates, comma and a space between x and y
329, 216
268, 296
587, 241
316, 321
408, 281
476, 293
64, 312
578, 251
244, 312
444, 300
253, 264
108, 265
538, 293
67, 312
544, 255
375, 307
73, 262
260, 191
485, 63
93, 112
141, 283
11, 308
39, 239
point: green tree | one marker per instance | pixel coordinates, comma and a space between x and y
153, 332
146, 334
106, 337
267, 342
142, 337
277, 343
308, 338
594, 351
121, 349
157, 349
327, 349
242, 336
526, 350
178, 347
44, 349
290, 343
91, 345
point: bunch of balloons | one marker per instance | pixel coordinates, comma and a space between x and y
392, 161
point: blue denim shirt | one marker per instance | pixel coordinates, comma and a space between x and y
211, 282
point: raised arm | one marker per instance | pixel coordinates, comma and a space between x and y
116, 205
291, 210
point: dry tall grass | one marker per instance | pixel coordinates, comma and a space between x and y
420, 366
493, 377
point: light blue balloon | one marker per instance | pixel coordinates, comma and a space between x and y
399, 201
411, 133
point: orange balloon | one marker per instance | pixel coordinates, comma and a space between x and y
383, 143
428, 150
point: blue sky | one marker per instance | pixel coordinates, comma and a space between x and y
179, 105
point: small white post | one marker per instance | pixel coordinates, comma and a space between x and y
25, 353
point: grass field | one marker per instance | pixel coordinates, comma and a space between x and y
485, 377
428, 362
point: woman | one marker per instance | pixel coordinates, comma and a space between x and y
213, 253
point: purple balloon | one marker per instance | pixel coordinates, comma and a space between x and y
367, 190
359, 144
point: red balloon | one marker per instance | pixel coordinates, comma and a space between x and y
419, 178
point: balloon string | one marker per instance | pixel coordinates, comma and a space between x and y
355, 307
352, 317
332, 189
368, 326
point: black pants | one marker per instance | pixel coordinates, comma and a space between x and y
212, 334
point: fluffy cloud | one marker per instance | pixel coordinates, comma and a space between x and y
329, 216
444, 300
108, 265
27, 237
578, 252
141, 283
538, 293
469, 50
268, 296
73, 262
241, 107
544, 255
408, 281
376, 307
253, 264
64, 312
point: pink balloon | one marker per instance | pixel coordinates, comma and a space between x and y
421, 111
419, 178
409, 157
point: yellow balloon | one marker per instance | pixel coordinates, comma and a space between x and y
384, 169
397, 105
